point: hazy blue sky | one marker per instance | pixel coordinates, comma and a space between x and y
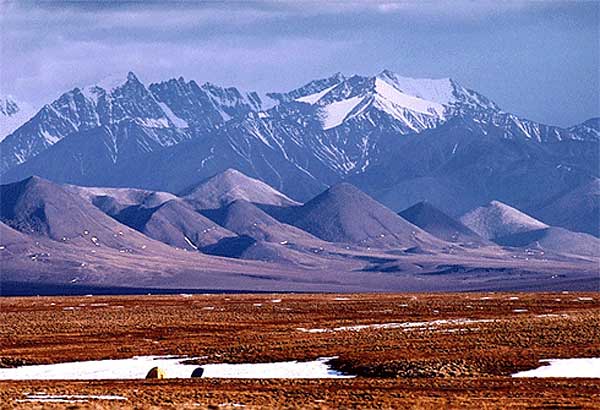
536, 59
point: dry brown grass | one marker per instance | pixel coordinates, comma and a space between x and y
457, 366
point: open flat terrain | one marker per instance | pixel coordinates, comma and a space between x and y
407, 350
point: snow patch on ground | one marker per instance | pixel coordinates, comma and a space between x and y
317, 369
65, 398
174, 367
580, 367
432, 325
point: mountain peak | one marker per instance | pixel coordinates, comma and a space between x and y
132, 77
497, 219
588, 130
386, 73
339, 76
230, 185
344, 188
232, 172
345, 214
8, 105
113, 82
438, 90
433, 220
13, 114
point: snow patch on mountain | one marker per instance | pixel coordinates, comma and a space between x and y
113, 82
335, 113
440, 90
178, 122
588, 130
314, 98
106, 86
397, 98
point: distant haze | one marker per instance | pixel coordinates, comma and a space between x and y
537, 59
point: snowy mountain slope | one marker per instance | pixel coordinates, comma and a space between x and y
204, 107
588, 130
356, 96
309, 91
13, 114
122, 106
92, 157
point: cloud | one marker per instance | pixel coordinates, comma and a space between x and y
50, 46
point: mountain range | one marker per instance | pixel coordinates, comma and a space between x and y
401, 140
345, 183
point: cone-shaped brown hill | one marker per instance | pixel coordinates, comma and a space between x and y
175, 223
345, 214
36, 206
496, 220
231, 185
436, 222
245, 218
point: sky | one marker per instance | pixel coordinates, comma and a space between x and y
539, 59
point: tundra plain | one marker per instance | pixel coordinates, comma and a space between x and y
421, 351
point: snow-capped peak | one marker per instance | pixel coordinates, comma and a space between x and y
8, 105
441, 90
311, 92
113, 82
413, 103
392, 94
496, 219
424, 102
108, 85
